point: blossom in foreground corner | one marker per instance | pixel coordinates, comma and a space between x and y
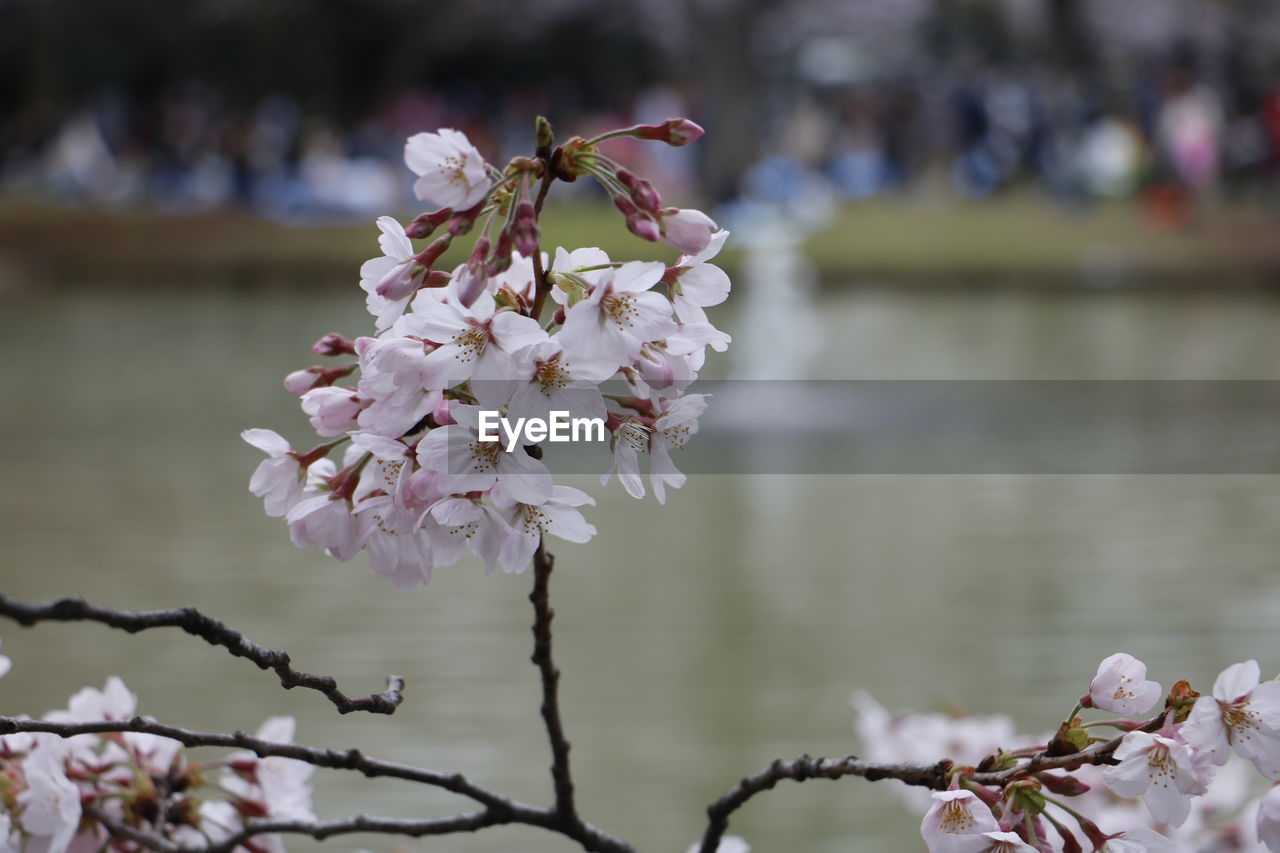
996, 842
451, 172
1158, 769
1140, 840
1268, 821
1121, 686
1242, 714
955, 822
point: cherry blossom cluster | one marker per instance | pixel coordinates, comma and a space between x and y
79, 793
1164, 783
401, 472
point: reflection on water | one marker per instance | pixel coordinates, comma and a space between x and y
698, 641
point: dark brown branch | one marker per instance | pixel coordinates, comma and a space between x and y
543, 614
351, 759
320, 830
212, 631
928, 776
497, 808
137, 836
539, 274
935, 776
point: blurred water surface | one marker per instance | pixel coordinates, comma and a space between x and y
698, 641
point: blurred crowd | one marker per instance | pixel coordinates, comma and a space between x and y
1161, 128
833, 112
191, 153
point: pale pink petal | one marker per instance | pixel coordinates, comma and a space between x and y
1236, 681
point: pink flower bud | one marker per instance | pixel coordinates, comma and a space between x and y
427, 223
674, 131
441, 414
333, 344
301, 381
474, 277
642, 192
687, 230
428, 256
655, 369
400, 281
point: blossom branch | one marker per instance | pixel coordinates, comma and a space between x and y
350, 759
800, 769
498, 809
212, 631
116, 829
561, 775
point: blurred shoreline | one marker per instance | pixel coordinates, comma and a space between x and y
1017, 241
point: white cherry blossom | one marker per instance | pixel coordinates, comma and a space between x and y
1158, 769
474, 342
620, 315
451, 171
955, 822
1242, 714
558, 516
697, 284
392, 378
397, 254
1268, 820
278, 479
1121, 686
467, 464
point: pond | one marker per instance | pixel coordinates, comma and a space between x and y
699, 640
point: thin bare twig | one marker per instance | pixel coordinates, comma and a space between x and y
212, 631
804, 767
561, 775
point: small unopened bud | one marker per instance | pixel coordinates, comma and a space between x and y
464, 220
673, 131
526, 229
642, 192
559, 317
426, 224
1066, 786
301, 381
657, 371
687, 230
400, 281
544, 135
644, 228
333, 344
639, 223
436, 278
474, 277
428, 256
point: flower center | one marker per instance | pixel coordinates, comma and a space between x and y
1160, 766
484, 455
451, 167
1240, 721
1123, 691
471, 343
551, 375
956, 818
634, 434
621, 309
533, 520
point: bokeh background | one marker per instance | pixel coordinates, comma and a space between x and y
918, 189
